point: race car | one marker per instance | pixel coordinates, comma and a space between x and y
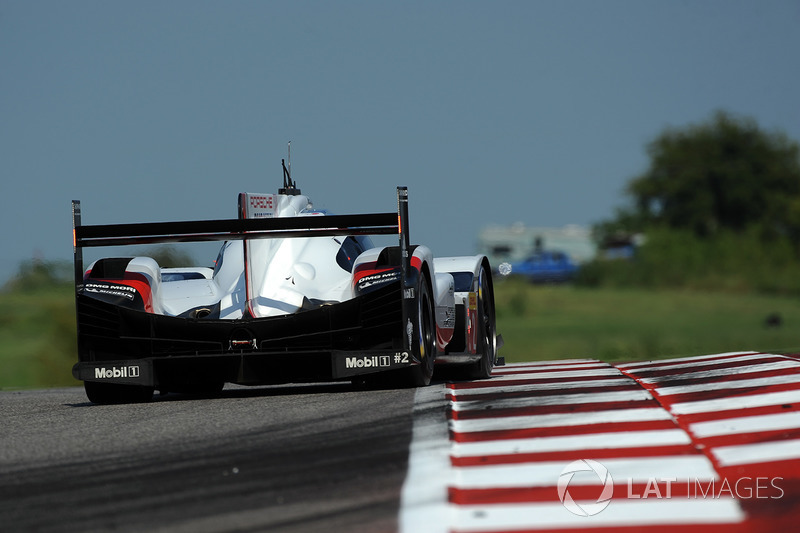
295, 295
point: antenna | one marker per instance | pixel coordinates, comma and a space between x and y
287, 179
289, 186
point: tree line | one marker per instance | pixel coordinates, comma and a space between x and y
719, 208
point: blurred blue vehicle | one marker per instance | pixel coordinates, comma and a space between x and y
542, 267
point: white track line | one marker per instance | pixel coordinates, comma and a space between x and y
620, 513
725, 385
762, 452
707, 362
678, 359
621, 439
644, 414
746, 424
707, 374
736, 402
424, 502
681, 468
603, 371
547, 364
532, 387
552, 400
504, 371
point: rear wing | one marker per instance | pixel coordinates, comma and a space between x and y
239, 229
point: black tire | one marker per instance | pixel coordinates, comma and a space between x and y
112, 393
487, 329
424, 338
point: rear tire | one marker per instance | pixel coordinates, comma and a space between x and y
487, 329
424, 344
114, 393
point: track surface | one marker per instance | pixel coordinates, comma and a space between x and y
301, 458
700, 444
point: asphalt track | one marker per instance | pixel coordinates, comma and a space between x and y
292, 458
694, 445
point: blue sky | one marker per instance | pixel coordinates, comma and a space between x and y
490, 112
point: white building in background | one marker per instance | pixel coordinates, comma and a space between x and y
518, 241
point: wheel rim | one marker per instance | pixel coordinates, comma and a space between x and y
425, 334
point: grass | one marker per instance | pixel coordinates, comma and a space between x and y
37, 338
547, 322
37, 326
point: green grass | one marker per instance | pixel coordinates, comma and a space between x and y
547, 322
37, 327
37, 338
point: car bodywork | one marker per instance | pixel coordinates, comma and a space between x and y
295, 295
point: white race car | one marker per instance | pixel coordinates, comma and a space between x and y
296, 295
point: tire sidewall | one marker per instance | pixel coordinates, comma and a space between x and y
487, 331
424, 347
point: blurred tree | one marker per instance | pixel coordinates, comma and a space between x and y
37, 274
726, 174
168, 256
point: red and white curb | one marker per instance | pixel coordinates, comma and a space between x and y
703, 443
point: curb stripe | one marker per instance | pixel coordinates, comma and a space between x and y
710, 429
555, 431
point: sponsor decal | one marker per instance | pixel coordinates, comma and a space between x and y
260, 205
449, 320
261, 202
132, 287
117, 372
378, 279
122, 291
473, 301
369, 361
353, 364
